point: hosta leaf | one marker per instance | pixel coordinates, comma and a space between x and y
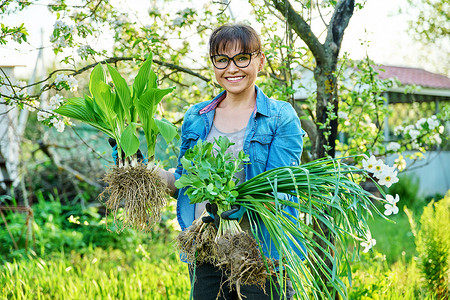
167, 129
75, 108
122, 90
142, 78
129, 141
97, 76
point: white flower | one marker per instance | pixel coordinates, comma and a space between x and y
42, 115
393, 146
391, 206
414, 133
370, 164
368, 244
419, 124
342, 115
56, 101
60, 78
306, 218
177, 21
436, 138
32, 105
398, 130
73, 83
387, 177
59, 124
433, 122
83, 51
400, 163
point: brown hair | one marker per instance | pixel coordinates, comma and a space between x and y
238, 34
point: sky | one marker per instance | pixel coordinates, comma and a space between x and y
378, 22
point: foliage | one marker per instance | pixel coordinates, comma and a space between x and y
116, 111
433, 245
147, 273
375, 279
61, 227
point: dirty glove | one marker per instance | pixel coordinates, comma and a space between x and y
235, 213
115, 154
212, 209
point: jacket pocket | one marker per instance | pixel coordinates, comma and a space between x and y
259, 146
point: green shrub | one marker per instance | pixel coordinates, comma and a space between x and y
433, 245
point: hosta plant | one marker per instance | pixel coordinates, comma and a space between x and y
119, 111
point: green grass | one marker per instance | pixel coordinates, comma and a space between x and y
98, 274
394, 240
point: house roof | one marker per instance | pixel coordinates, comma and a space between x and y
415, 76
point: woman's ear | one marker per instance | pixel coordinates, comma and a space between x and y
262, 61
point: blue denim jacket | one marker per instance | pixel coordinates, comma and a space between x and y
273, 138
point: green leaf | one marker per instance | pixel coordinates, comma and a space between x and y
167, 129
142, 78
75, 108
97, 76
122, 90
129, 142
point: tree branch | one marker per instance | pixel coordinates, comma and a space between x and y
338, 23
299, 25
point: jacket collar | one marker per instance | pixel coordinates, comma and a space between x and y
262, 103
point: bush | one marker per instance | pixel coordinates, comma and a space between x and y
433, 245
63, 228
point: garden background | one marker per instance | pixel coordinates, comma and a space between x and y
55, 241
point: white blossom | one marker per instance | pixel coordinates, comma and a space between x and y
413, 133
59, 124
73, 83
436, 138
419, 124
370, 164
60, 78
393, 146
433, 122
83, 51
177, 21
42, 116
368, 244
387, 177
391, 206
398, 130
56, 101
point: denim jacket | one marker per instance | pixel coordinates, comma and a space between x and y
273, 138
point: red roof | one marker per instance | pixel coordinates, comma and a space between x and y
419, 77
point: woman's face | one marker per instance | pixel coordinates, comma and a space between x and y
237, 81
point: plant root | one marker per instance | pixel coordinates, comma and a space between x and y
196, 243
140, 191
241, 260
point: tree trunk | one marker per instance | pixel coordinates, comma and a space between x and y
326, 56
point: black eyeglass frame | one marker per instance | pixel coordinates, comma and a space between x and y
232, 59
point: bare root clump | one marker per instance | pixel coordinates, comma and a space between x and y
196, 243
241, 260
141, 193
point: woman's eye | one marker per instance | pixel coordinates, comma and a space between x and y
242, 58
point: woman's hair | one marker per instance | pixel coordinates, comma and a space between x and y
239, 35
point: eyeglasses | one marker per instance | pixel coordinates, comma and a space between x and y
241, 60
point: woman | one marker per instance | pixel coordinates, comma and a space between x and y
267, 130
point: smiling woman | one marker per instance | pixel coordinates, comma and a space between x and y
266, 130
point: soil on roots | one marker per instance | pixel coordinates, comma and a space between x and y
196, 243
141, 193
241, 260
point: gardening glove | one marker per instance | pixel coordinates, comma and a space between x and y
212, 209
235, 213
115, 154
